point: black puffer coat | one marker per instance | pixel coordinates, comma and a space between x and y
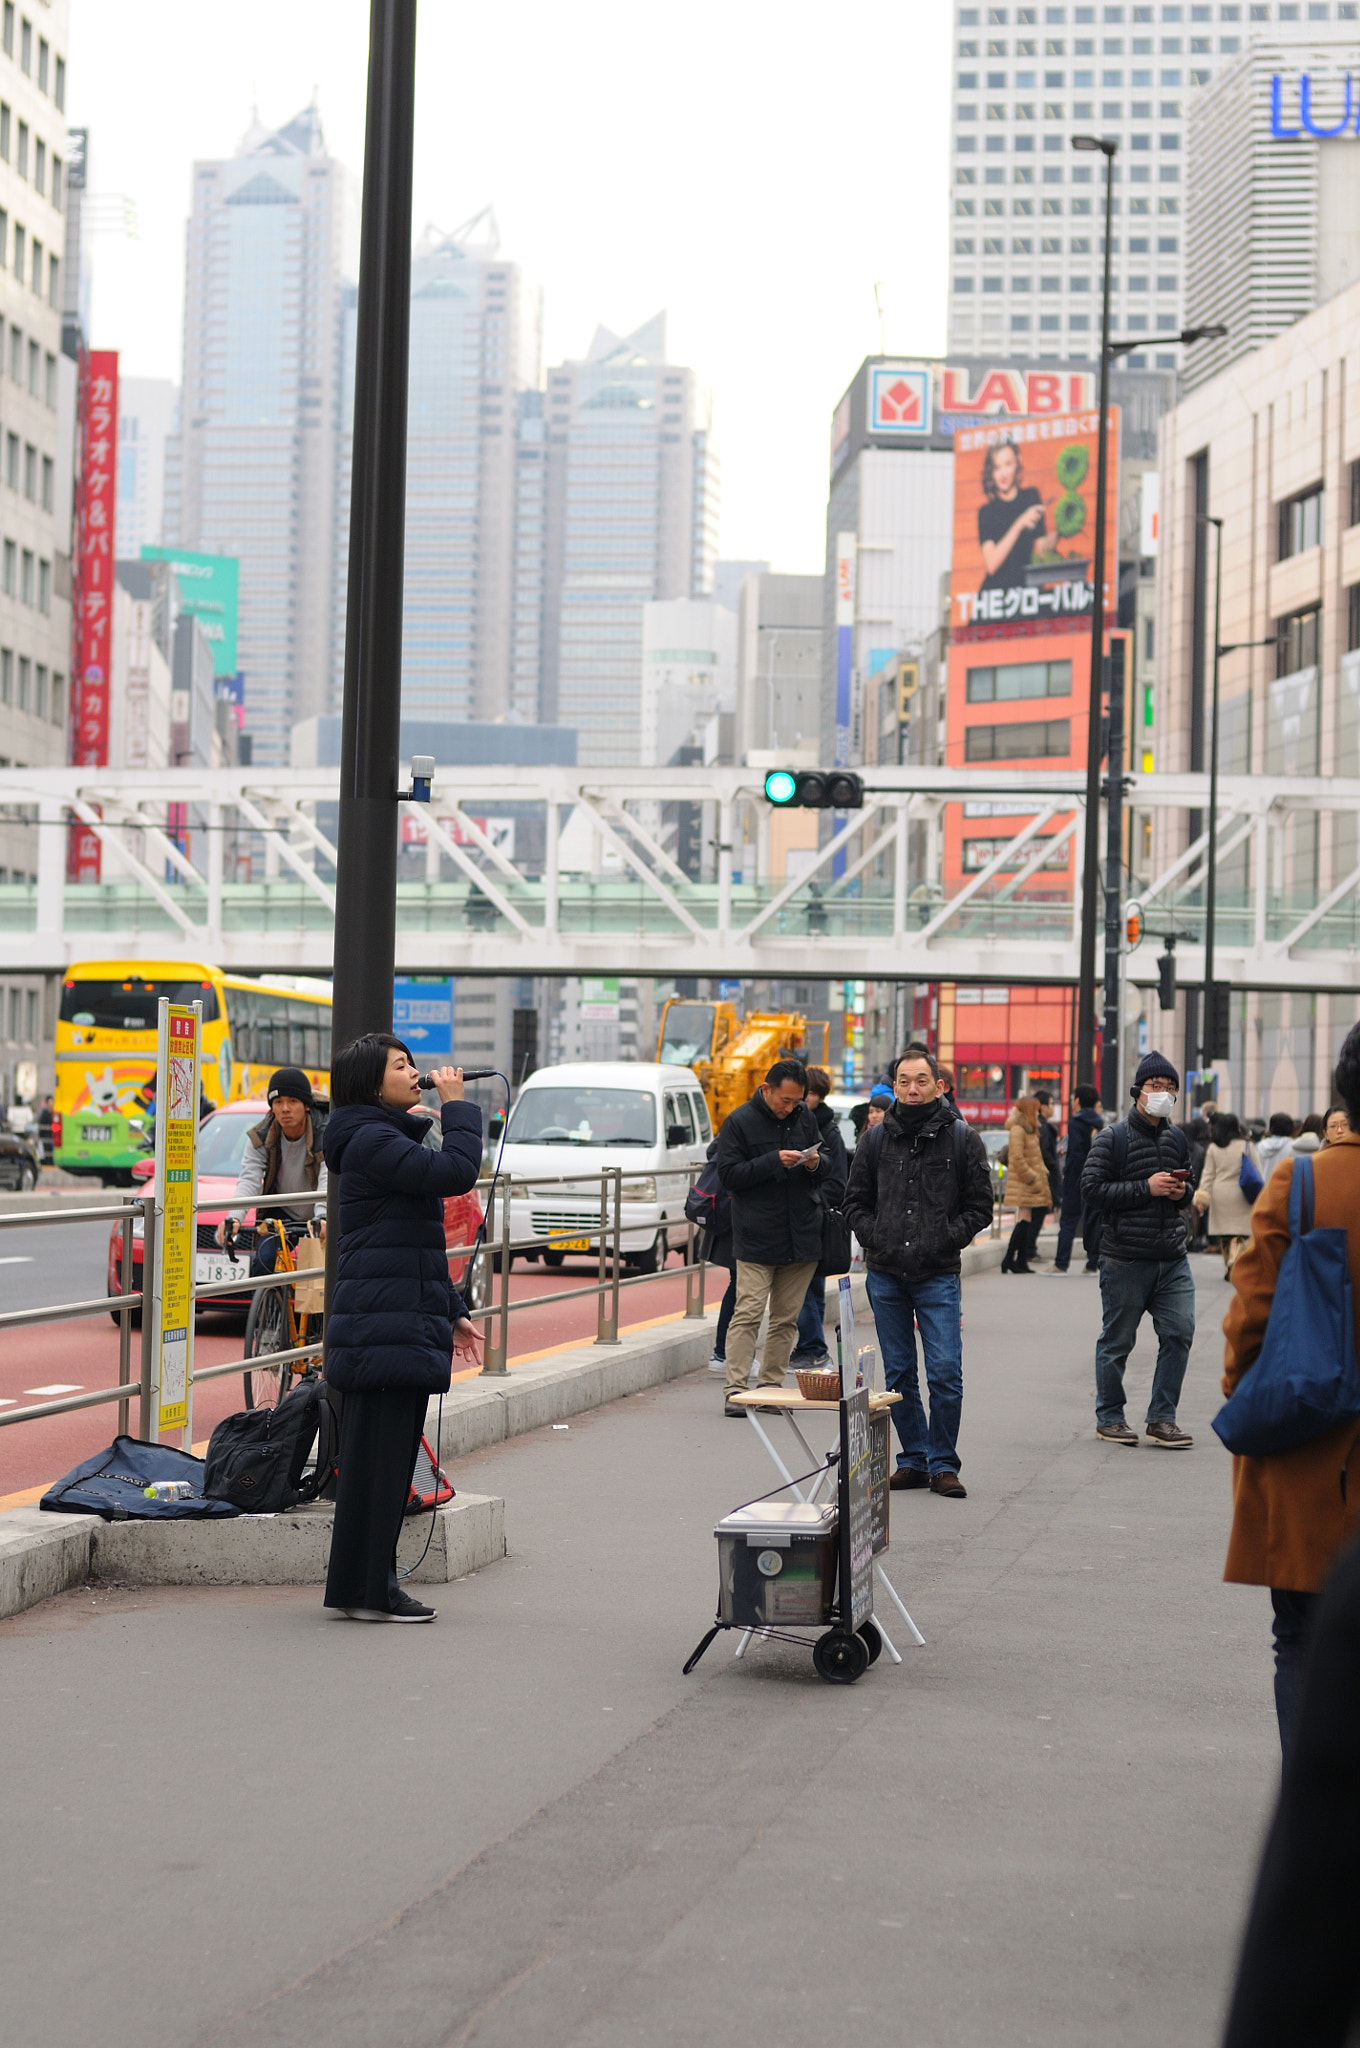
776, 1209
1139, 1225
1085, 1126
908, 1204
392, 1316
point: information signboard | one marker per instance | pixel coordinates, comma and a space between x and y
177, 1050
880, 1472
422, 1014
856, 1504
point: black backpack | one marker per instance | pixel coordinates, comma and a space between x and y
256, 1459
708, 1201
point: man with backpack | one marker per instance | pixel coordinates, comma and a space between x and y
920, 1190
1138, 1175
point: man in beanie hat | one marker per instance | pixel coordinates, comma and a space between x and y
1138, 1175
282, 1157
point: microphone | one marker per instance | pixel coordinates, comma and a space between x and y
469, 1074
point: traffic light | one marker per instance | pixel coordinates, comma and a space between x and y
1217, 1026
1166, 981
1133, 924
814, 789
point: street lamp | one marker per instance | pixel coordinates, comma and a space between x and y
1208, 1008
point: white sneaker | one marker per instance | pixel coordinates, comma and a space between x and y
716, 1364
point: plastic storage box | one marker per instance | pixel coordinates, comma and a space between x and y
777, 1565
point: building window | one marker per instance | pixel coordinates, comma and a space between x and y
56, 182
12, 461
53, 281
44, 586
1300, 523
26, 578
51, 389
21, 152
7, 33
59, 95
48, 483
30, 472
26, 48
1353, 618
1354, 519
39, 275
20, 251
1016, 680
58, 700
9, 564
40, 690
1296, 641
6, 676
1046, 739
43, 54
16, 355
4, 130
25, 681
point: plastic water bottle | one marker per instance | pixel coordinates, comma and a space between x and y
168, 1489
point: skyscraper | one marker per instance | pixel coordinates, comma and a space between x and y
147, 412
631, 516
476, 351
260, 406
1027, 247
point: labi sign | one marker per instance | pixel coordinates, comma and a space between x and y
1282, 111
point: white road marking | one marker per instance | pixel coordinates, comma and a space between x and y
59, 1388
18, 1259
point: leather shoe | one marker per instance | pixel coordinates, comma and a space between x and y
949, 1484
731, 1408
907, 1476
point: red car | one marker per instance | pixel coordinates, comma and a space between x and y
221, 1142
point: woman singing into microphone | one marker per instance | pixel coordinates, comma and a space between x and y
395, 1318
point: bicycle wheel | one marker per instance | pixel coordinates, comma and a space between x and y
266, 1332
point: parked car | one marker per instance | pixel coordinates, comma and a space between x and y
649, 1119
20, 1159
221, 1142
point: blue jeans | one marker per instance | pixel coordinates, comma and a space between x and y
1069, 1223
901, 1307
811, 1335
1292, 1618
1129, 1290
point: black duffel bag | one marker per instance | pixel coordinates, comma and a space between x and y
836, 1246
257, 1459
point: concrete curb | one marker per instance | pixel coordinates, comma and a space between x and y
42, 1554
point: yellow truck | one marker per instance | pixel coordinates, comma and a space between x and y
730, 1054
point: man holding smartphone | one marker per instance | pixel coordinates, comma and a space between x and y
1138, 1175
771, 1159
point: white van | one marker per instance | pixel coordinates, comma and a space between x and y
650, 1120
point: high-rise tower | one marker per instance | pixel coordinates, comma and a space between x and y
260, 403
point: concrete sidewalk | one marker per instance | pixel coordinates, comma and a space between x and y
232, 1820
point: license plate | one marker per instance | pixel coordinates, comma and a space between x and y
569, 1244
97, 1134
212, 1266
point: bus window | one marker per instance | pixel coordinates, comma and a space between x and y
130, 1005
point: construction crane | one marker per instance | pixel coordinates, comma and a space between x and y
732, 1054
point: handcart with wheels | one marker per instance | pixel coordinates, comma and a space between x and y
810, 1562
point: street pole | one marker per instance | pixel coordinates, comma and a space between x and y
1112, 1038
1086, 985
1211, 879
366, 864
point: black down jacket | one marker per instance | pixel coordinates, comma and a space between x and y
1085, 1126
1137, 1224
907, 1203
776, 1209
392, 1315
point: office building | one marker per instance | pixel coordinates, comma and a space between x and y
779, 666
1273, 228
1025, 263
148, 411
255, 458
1272, 447
141, 686
631, 512
689, 675
473, 472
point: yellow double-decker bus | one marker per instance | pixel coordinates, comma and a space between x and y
106, 1050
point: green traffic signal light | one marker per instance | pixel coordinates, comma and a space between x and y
781, 787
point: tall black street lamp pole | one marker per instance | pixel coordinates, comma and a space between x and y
366, 866
1112, 1035
1086, 986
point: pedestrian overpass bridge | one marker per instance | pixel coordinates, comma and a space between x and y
556, 871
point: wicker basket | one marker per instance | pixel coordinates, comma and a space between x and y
819, 1386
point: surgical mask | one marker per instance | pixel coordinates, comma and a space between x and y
1160, 1102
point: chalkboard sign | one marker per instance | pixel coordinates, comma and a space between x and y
879, 1473
856, 1512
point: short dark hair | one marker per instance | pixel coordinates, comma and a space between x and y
1225, 1128
1348, 1075
787, 1070
917, 1051
1315, 1123
1087, 1094
819, 1081
1043, 1098
1281, 1124
357, 1071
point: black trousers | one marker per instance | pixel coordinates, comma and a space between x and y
379, 1438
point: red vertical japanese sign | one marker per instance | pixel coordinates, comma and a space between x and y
94, 584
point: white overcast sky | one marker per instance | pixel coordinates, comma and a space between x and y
754, 168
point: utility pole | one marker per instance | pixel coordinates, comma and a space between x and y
366, 866
1112, 1040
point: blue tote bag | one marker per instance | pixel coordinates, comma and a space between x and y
1304, 1380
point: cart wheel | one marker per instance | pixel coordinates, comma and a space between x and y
873, 1639
840, 1658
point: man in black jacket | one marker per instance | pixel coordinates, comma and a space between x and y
920, 1190
770, 1154
1084, 1123
810, 1348
1138, 1175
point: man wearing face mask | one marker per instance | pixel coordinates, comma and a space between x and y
1138, 1175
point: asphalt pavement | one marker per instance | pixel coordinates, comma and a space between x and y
232, 1819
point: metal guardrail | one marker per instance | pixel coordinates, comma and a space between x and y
494, 1255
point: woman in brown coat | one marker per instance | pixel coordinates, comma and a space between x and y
1292, 1512
1027, 1184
